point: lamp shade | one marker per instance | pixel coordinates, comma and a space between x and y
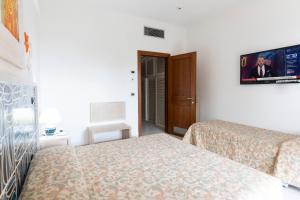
50, 116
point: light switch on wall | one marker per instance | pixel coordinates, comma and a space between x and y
132, 74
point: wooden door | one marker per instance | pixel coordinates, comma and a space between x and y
181, 91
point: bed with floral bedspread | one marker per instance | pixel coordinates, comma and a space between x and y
272, 152
151, 167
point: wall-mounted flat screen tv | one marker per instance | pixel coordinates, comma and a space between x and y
272, 66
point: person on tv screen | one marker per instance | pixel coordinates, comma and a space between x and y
262, 70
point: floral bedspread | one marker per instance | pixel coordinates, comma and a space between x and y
274, 153
151, 167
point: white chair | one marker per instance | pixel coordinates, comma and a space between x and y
104, 113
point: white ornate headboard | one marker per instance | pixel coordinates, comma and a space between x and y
107, 111
18, 136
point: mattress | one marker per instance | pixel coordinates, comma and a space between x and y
272, 152
150, 167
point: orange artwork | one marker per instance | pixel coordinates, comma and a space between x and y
10, 16
26, 42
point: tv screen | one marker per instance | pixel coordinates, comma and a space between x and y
272, 66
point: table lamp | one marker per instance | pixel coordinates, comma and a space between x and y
50, 117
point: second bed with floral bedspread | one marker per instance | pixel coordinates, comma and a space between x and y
272, 152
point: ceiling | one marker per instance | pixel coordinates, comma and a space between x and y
167, 10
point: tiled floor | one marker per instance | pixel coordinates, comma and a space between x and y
150, 128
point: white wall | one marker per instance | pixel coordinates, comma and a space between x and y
249, 27
8, 72
87, 54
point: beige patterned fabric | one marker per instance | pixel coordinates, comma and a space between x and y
275, 153
55, 174
287, 167
156, 167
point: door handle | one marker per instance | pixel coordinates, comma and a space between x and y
192, 99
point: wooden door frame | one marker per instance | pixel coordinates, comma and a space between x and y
140, 54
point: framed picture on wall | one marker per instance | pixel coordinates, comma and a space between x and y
11, 27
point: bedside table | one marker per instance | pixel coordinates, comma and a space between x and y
55, 140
